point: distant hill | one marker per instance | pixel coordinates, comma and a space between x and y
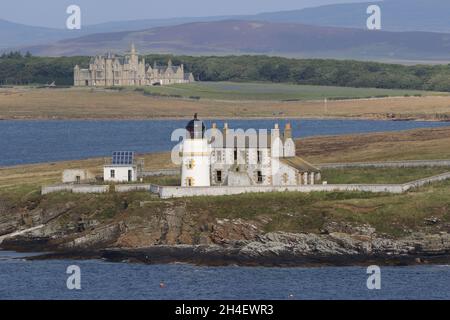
256, 37
15, 34
397, 15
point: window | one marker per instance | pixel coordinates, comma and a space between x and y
78, 179
260, 176
260, 156
285, 178
244, 156
219, 175
113, 173
219, 156
235, 154
190, 182
190, 164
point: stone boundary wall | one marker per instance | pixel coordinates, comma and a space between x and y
178, 192
425, 181
387, 164
75, 188
162, 172
132, 187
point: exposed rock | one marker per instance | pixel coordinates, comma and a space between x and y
432, 220
171, 234
101, 237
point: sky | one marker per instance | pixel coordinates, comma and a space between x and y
52, 13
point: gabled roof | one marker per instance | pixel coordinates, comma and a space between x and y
299, 164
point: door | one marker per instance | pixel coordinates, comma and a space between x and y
130, 175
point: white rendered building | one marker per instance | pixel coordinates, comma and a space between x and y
122, 168
237, 158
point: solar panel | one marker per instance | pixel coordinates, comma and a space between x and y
122, 157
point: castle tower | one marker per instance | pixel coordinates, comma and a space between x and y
195, 156
76, 75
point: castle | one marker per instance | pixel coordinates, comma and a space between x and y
235, 158
128, 70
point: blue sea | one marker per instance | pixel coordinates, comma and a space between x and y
24, 142
22, 279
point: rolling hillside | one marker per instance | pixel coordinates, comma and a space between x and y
257, 37
397, 15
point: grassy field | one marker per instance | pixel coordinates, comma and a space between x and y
422, 144
273, 91
378, 175
98, 103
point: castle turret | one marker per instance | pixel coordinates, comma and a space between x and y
76, 75
195, 155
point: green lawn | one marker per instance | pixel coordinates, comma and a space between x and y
269, 91
378, 175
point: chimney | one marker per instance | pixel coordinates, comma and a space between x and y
287, 131
276, 131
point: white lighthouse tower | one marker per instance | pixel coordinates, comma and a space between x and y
195, 156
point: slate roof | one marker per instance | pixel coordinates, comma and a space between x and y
299, 164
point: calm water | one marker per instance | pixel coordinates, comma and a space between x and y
43, 141
20, 279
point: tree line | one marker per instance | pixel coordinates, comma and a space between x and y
16, 68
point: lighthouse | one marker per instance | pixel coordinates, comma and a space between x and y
195, 155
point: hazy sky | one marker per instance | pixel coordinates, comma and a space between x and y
52, 13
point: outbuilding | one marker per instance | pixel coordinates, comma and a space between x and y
122, 168
77, 176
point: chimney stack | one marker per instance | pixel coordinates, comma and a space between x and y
287, 131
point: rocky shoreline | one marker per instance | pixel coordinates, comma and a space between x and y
277, 249
285, 229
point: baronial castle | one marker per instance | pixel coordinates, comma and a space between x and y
129, 70
235, 158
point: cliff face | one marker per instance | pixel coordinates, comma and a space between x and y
165, 231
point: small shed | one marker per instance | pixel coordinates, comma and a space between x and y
77, 176
122, 168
